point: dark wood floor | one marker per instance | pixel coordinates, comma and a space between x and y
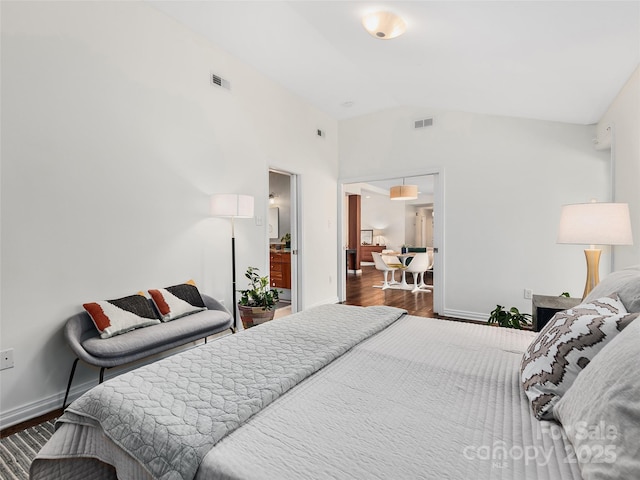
30, 423
360, 291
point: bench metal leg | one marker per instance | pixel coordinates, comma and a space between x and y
73, 371
102, 374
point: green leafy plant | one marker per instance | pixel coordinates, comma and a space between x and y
258, 294
511, 318
286, 238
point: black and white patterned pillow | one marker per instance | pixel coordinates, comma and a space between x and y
177, 301
113, 317
565, 346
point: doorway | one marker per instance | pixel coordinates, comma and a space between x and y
392, 224
283, 234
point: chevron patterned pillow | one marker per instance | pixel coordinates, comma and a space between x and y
565, 346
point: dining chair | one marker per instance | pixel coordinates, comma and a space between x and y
383, 267
414, 250
424, 285
418, 266
394, 262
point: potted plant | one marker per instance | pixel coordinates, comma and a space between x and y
286, 238
257, 302
511, 318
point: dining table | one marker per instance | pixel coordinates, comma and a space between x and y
403, 257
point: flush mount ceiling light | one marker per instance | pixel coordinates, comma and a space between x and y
384, 25
403, 192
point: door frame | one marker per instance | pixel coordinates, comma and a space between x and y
438, 229
296, 234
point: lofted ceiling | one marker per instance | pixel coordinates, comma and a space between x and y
551, 60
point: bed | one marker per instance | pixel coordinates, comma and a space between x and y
333, 392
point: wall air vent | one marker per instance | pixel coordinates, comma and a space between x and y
425, 122
220, 82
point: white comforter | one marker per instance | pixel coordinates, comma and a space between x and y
425, 398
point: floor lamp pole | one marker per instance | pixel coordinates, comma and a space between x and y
231, 205
233, 274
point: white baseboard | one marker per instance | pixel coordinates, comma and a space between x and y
479, 317
50, 403
324, 302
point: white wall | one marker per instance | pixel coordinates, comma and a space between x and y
505, 180
379, 213
409, 226
112, 141
623, 116
423, 226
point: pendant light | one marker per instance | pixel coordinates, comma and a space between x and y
403, 192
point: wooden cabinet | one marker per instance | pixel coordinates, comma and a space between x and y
365, 252
280, 269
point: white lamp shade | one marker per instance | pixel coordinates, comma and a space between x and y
231, 205
403, 192
595, 224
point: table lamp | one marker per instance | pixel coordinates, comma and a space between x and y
595, 224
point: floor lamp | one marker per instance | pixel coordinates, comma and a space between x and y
595, 224
233, 206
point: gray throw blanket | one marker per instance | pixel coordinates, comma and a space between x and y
168, 415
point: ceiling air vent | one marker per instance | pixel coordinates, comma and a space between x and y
220, 82
425, 122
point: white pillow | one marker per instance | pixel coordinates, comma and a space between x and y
625, 283
600, 412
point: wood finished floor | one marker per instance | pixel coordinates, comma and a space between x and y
30, 423
360, 291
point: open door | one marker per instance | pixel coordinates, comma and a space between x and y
283, 232
390, 225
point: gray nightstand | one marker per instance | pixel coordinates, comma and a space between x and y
543, 307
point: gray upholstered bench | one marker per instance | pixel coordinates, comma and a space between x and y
84, 339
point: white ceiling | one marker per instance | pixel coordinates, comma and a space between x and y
552, 60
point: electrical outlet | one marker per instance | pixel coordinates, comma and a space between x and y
6, 359
528, 293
